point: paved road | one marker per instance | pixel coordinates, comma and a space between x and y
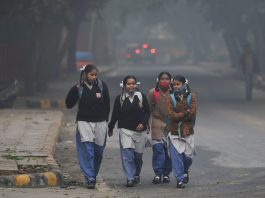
230, 140
229, 133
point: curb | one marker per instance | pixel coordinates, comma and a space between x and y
46, 179
54, 177
45, 103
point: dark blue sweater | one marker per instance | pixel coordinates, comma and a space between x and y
130, 115
91, 108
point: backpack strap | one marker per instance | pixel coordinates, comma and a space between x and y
80, 88
173, 100
80, 91
188, 101
100, 85
138, 94
156, 96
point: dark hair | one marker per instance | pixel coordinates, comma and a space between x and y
180, 78
88, 68
127, 78
160, 76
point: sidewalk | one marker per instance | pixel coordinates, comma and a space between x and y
27, 146
28, 136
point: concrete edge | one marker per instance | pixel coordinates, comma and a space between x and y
36, 180
51, 139
50, 178
45, 103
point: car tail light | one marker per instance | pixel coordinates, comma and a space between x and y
153, 51
137, 51
129, 55
145, 46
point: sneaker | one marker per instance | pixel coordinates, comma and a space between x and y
186, 178
180, 185
91, 184
166, 179
157, 179
137, 179
130, 183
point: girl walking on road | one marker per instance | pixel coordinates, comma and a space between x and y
157, 100
92, 97
132, 112
181, 106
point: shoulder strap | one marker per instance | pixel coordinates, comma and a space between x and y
80, 88
80, 91
173, 100
100, 85
188, 101
122, 98
156, 96
140, 96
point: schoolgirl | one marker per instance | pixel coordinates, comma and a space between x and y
132, 112
92, 97
157, 100
181, 106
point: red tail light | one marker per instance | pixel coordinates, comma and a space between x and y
145, 46
129, 55
137, 51
153, 51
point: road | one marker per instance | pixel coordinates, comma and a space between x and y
230, 139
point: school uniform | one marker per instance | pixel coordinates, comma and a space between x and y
130, 112
161, 162
91, 132
181, 134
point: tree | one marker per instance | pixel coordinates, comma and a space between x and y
45, 22
241, 22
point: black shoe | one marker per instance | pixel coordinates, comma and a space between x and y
137, 179
180, 185
166, 179
91, 184
157, 179
130, 183
186, 178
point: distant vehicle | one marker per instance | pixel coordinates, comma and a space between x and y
143, 53
83, 58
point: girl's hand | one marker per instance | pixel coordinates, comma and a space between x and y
140, 127
181, 114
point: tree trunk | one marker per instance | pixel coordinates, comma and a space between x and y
259, 39
72, 37
232, 48
47, 67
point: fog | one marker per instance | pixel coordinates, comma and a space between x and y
50, 38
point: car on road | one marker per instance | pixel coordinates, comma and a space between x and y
142, 53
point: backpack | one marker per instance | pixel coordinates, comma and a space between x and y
188, 103
156, 95
99, 83
138, 94
175, 101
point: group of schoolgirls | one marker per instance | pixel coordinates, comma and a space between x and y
169, 112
